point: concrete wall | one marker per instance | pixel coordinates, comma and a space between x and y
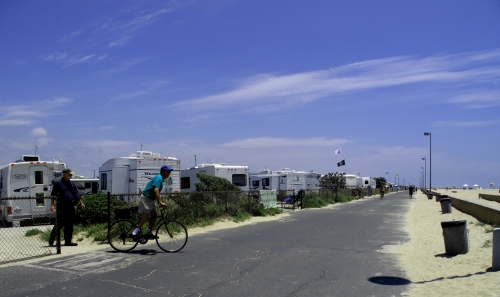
489, 197
483, 213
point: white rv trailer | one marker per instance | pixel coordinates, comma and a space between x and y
86, 186
368, 182
129, 175
351, 181
280, 180
236, 174
27, 177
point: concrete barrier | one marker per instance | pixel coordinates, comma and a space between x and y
481, 212
489, 197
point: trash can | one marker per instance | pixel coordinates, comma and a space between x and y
445, 205
429, 196
438, 198
455, 237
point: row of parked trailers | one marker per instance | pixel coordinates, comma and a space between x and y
31, 177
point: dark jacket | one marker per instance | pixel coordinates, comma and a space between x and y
66, 191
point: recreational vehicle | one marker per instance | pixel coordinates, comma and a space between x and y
368, 182
25, 188
129, 175
86, 186
236, 174
351, 181
283, 180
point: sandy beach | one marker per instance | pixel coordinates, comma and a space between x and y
430, 270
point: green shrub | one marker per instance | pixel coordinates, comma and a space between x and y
96, 209
32, 232
315, 202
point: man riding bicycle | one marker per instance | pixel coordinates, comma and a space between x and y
147, 203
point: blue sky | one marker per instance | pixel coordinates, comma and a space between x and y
264, 83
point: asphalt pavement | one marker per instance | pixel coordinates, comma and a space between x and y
344, 250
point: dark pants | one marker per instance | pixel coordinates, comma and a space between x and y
66, 219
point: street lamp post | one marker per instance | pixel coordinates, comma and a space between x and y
36, 149
195, 163
141, 146
425, 172
430, 158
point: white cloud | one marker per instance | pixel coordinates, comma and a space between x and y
15, 122
299, 88
288, 142
464, 123
478, 100
38, 132
66, 59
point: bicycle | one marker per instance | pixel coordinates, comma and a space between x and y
171, 236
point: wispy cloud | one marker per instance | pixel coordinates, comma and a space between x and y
478, 100
128, 30
67, 60
17, 115
465, 123
287, 142
300, 88
126, 65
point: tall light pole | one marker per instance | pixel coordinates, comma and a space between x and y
425, 173
421, 187
430, 158
195, 159
36, 149
142, 145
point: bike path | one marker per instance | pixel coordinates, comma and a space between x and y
342, 250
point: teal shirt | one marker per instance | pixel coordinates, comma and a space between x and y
155, 182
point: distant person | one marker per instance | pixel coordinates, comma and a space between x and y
382, 191
68, 197
410, 191
147, 203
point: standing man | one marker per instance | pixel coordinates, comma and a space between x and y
68, 197
410, 191
147, 204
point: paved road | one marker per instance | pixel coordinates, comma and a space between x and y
339, 251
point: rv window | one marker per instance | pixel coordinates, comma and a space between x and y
265, 182
255, 183
87, 185
240, 180
104, 181
95, 187
38, 177
185, 183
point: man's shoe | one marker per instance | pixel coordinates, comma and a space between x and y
150, 236
51, 242
71, 244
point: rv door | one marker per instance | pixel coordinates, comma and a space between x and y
39, 190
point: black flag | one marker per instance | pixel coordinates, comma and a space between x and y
341, 163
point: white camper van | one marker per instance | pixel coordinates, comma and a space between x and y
368, 182
129, 175
280, 180
352, 181
86, 186
27, 177
236, 174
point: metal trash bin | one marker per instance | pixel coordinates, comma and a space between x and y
429, 196
455, 237
445, 205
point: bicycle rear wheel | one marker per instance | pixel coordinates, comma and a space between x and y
171, 236
120, 236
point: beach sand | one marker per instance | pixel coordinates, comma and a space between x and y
430, 270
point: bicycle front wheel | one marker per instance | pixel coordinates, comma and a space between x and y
120, 236
171, 236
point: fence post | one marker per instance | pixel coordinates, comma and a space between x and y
58, 230
109, 211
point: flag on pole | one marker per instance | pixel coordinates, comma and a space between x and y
338, 152
341, 163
